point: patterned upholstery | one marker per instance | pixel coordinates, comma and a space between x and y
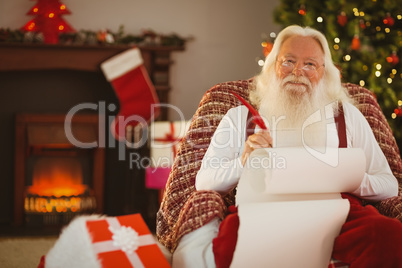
183, 209
367, 104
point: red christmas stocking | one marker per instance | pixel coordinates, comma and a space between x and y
134, 89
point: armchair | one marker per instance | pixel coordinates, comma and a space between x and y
183, 209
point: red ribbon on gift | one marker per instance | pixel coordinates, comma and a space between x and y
169, 137
109, 242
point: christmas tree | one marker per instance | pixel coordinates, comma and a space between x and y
48, 20
365, 37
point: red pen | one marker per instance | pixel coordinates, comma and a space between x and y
256, 116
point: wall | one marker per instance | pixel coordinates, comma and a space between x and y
227, 35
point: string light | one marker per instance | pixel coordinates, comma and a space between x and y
62, 7
320, 19
347, 58
365, 68
358, 13
362, 83
337, 41
378, 66
389, 80
378, 73
61, 27
35, 10
51, 15
387, 30
31, 26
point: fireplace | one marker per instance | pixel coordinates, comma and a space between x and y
52, 79
56, 179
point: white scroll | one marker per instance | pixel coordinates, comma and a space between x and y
290, 206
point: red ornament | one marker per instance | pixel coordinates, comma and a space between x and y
362, 24
342, 19
355, 43
48, 20
393, 58
398, 111
267, 47
388, 20
302, 10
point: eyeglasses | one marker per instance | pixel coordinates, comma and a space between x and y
288, 65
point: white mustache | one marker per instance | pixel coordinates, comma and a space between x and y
296, 79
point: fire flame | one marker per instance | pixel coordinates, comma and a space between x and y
57, 177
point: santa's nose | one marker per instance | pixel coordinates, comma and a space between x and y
297, 70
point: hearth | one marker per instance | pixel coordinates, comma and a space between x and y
57, 180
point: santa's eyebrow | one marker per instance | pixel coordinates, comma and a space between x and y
290, 55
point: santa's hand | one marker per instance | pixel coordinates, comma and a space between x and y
261, 139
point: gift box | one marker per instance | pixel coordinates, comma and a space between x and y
124, 241
156, 177
100, 241
165, 137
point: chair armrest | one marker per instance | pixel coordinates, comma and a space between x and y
200, 208
391, 207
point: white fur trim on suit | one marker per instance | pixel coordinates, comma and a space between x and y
122, 63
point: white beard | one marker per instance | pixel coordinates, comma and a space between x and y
288, 106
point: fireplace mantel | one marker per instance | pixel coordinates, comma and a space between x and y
21, 57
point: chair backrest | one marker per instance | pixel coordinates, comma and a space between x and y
366, 102
172, 222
